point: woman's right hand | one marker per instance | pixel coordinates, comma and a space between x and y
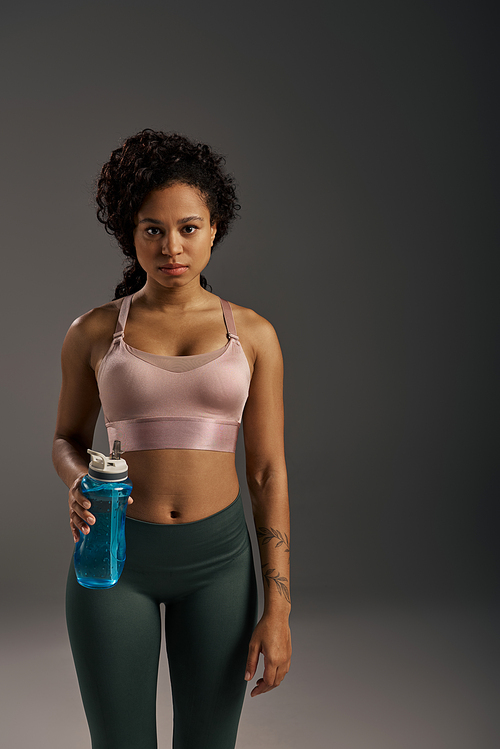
79, 517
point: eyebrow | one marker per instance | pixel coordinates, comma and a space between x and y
180, 221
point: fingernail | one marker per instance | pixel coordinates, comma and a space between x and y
247, 675
86, 505
90, 520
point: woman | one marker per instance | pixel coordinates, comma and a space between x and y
176, 369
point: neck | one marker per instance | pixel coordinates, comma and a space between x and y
156, 296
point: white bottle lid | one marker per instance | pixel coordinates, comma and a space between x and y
108, 468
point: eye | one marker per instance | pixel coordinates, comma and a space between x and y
151, 229
190, 227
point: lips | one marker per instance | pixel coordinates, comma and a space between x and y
173, 269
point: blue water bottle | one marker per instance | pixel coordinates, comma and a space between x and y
100, 554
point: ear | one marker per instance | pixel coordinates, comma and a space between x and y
213, 232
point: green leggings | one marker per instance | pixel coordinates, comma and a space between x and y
203, 572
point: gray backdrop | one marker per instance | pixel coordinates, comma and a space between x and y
363, 138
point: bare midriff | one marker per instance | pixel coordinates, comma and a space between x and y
180, 486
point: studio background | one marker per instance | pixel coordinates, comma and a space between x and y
364, 141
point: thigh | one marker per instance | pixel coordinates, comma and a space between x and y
115, 638
207, 637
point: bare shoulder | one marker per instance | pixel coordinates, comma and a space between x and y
92, 331
95, 322
254, 330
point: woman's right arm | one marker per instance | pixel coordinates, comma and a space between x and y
77, 413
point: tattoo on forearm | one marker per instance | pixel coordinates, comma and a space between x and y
267, 534
278, 579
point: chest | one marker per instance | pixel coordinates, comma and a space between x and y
176, 335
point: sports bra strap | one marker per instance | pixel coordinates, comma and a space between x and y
122, 317
229, 319
125, 307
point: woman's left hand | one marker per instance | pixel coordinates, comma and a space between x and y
272, 638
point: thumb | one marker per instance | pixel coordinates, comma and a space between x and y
252, 660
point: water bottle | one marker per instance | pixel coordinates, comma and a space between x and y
100, 554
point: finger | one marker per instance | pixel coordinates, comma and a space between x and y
270, 675
82, 521
272, 678
80, 506
252, 661
81, 501
284, 668
80, 517
130, 500
79, 524
260, 688
75, 532
266, 682
280, 674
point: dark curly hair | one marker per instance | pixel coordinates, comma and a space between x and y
150, 160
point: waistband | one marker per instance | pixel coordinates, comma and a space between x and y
175, 547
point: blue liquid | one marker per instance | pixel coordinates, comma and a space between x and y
100, 555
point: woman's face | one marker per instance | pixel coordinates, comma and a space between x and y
173, 237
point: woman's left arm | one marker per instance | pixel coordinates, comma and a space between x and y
267, 483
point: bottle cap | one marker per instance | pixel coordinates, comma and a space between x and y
108, 468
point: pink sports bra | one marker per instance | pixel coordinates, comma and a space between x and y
152, 402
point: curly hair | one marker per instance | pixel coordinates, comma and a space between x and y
150, 160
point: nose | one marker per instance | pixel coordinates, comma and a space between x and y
171, 245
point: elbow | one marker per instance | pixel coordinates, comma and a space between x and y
63, 442
257, 480
260, 481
